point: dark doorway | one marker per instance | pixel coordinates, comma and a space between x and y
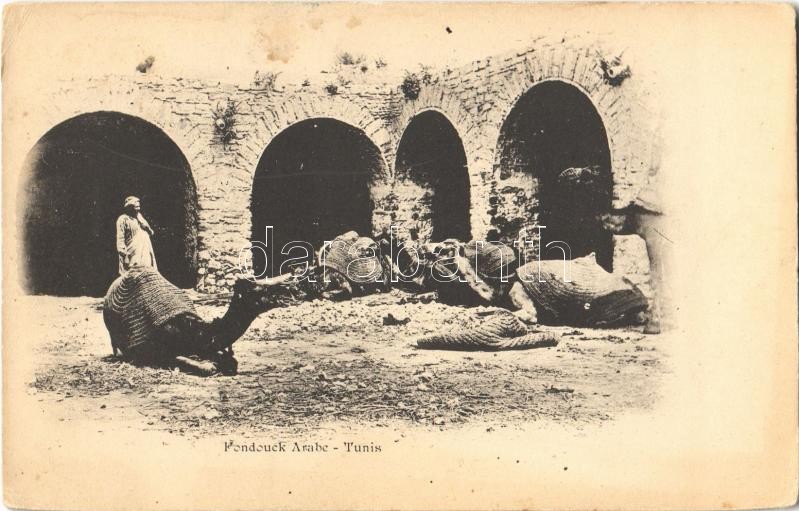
79, 174
431, 154
312, 183
554, 127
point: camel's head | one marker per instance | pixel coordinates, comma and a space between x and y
625, 220
258, 296
615, 223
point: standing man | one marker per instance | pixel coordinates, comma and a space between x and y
133, 238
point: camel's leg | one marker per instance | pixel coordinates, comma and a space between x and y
653, 322
657, 247
226, 363
338, 288
482, 289
198, 367
520, 299
649, 226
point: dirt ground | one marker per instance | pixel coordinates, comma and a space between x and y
320, 362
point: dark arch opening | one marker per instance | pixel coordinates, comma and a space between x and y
431, 154
312, 183
78, 175
553, 127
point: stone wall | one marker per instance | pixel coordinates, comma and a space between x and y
476, 99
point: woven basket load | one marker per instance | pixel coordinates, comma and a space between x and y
139, 303
355, 257
490, 257
501, 331
593, 297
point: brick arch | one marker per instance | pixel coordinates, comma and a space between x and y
294, 109
438, 209
443, 101
459, 126
554, 125
317, 195
616, 105
507, 111
130, 102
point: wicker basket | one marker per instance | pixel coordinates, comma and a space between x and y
355, 257
502, 331
592, 297
138, 304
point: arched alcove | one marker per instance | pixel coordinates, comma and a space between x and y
77, 177
431, 155
311, 184
554, 127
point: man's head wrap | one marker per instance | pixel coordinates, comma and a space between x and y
131, 201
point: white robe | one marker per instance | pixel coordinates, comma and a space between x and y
133, 243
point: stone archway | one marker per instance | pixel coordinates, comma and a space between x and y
431, 160
311, 184
78, 175
554, 127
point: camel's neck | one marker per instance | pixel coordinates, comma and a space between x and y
227, 329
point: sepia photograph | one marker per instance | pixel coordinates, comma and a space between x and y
399, 256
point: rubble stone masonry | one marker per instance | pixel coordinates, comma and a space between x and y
476, 99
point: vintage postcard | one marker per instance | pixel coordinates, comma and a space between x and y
399, 256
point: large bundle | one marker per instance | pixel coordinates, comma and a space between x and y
501, 331
468, 278
492, 259
592, 297
357, 258
138, 304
